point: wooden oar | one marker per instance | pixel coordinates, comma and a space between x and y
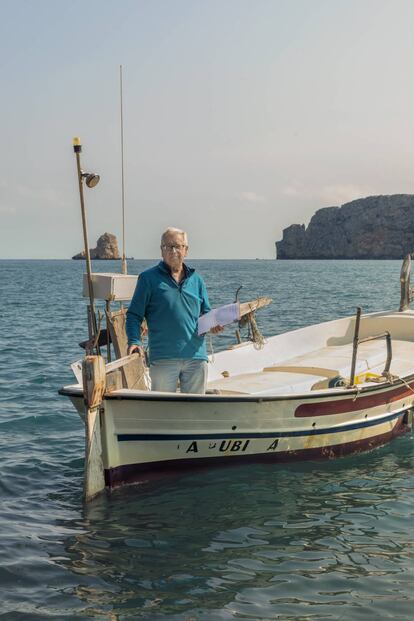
253, 305
120, 362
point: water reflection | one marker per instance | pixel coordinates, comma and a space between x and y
254, 542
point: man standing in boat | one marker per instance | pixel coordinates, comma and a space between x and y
171, 297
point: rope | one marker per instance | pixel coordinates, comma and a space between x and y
404, 382
389, 377
358, 390
254, 333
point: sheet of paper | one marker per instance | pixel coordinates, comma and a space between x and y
220, 316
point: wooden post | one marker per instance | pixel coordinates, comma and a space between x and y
94, 384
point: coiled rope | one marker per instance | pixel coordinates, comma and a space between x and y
254, 333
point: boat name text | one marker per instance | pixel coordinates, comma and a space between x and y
232, 446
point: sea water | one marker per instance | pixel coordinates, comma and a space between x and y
311, 540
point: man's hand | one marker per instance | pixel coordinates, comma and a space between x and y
216, 329
136, 349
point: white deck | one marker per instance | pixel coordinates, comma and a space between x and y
311, 370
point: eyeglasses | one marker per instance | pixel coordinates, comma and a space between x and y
171, 247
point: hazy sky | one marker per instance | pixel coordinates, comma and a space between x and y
241, 117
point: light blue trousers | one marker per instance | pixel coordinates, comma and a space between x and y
192, 375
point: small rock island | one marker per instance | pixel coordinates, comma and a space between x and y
376, 227
106, 249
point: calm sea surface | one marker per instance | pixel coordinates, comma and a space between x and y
316, 540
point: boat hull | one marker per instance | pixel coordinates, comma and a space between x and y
146, 436
141, 473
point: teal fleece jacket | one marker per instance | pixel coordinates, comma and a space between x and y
171, 310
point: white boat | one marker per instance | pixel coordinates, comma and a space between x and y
323, 391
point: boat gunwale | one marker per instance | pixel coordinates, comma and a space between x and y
124, 394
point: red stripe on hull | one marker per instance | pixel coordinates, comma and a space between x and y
345, 406
143, 473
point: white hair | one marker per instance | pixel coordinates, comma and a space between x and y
173, 231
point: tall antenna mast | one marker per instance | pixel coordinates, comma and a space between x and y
124, 262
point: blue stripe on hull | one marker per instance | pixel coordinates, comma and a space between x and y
144, 472
151, 437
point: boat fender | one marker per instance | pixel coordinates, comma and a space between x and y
336, 382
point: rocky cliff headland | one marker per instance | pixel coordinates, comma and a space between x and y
106, 249
376, 227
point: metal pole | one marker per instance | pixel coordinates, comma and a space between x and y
405, 298
389, 355
77, 147
355, 346
124, 263
108, 336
